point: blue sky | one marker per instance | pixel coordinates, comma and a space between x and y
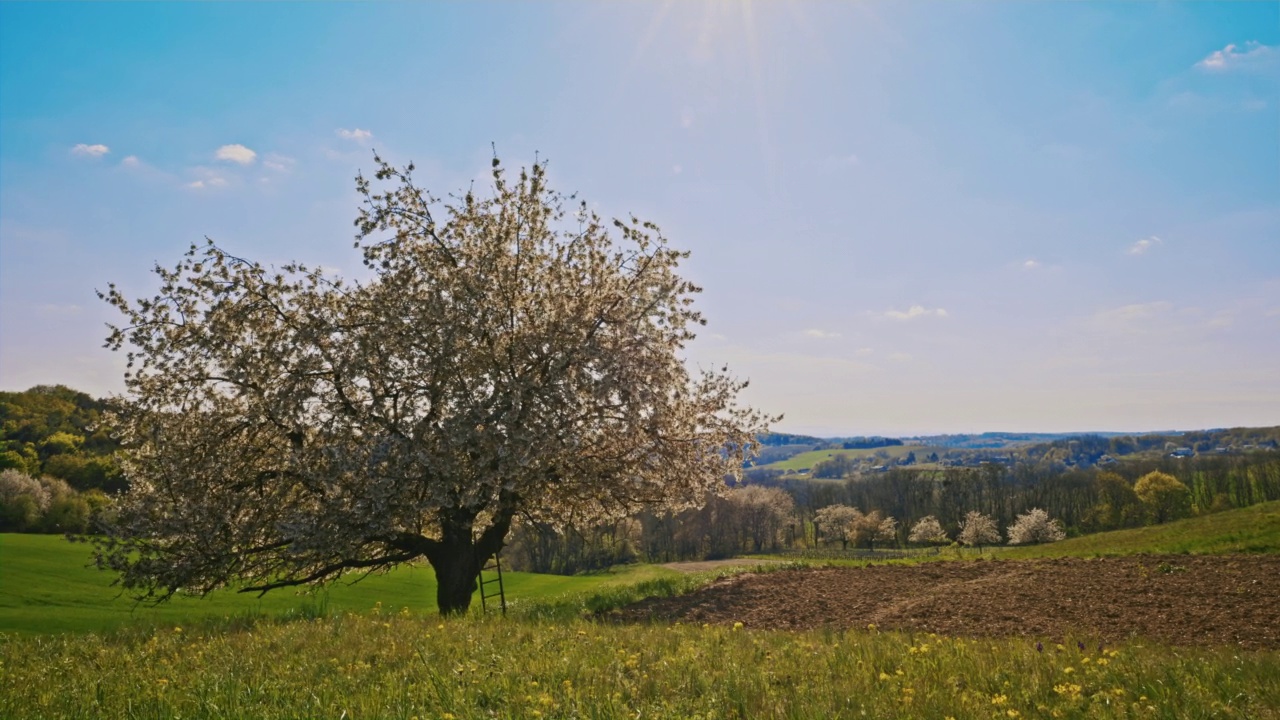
907, 217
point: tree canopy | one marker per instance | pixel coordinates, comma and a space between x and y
1165, 496
512, 355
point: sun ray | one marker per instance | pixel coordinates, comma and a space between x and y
655, 24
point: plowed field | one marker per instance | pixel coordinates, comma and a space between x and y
1180, 600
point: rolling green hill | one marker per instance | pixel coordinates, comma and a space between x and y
813, 457
1254, 529
47, 586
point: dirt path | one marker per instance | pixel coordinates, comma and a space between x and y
1180, 599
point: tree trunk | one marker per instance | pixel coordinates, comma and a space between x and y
458, 555
457, 570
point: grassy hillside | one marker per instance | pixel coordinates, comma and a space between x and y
1254, 529
46, 586
813, 457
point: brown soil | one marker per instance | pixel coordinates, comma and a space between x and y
1179, 599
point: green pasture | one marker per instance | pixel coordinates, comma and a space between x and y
47, 586
813, 457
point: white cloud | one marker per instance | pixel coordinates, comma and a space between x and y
915, 311
900, 357
823, 334
687, 117
278, 162
93, 151
210, 180
863, 352
676, 169
357, 134
1031, 265
131, 161
1233, 57
1142, 246
238, 154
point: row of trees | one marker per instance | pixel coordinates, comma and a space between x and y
750, 519
754, 518
1084, 500
850, 526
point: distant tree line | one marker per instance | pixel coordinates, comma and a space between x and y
1032, 502
867, 443
749, 519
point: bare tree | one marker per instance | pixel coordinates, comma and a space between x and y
762, 514
509, 354
1035, 527
977, 530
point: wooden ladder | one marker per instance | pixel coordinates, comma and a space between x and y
494, 566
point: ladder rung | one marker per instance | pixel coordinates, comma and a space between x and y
493, 565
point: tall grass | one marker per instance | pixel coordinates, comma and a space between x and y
400, 666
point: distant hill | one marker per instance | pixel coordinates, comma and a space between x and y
997, 440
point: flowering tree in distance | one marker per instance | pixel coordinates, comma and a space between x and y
1035, 527
928, 531
977, 530
836, 522
509, 355
867, 528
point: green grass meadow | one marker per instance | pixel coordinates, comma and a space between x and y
47, 586
69, 648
